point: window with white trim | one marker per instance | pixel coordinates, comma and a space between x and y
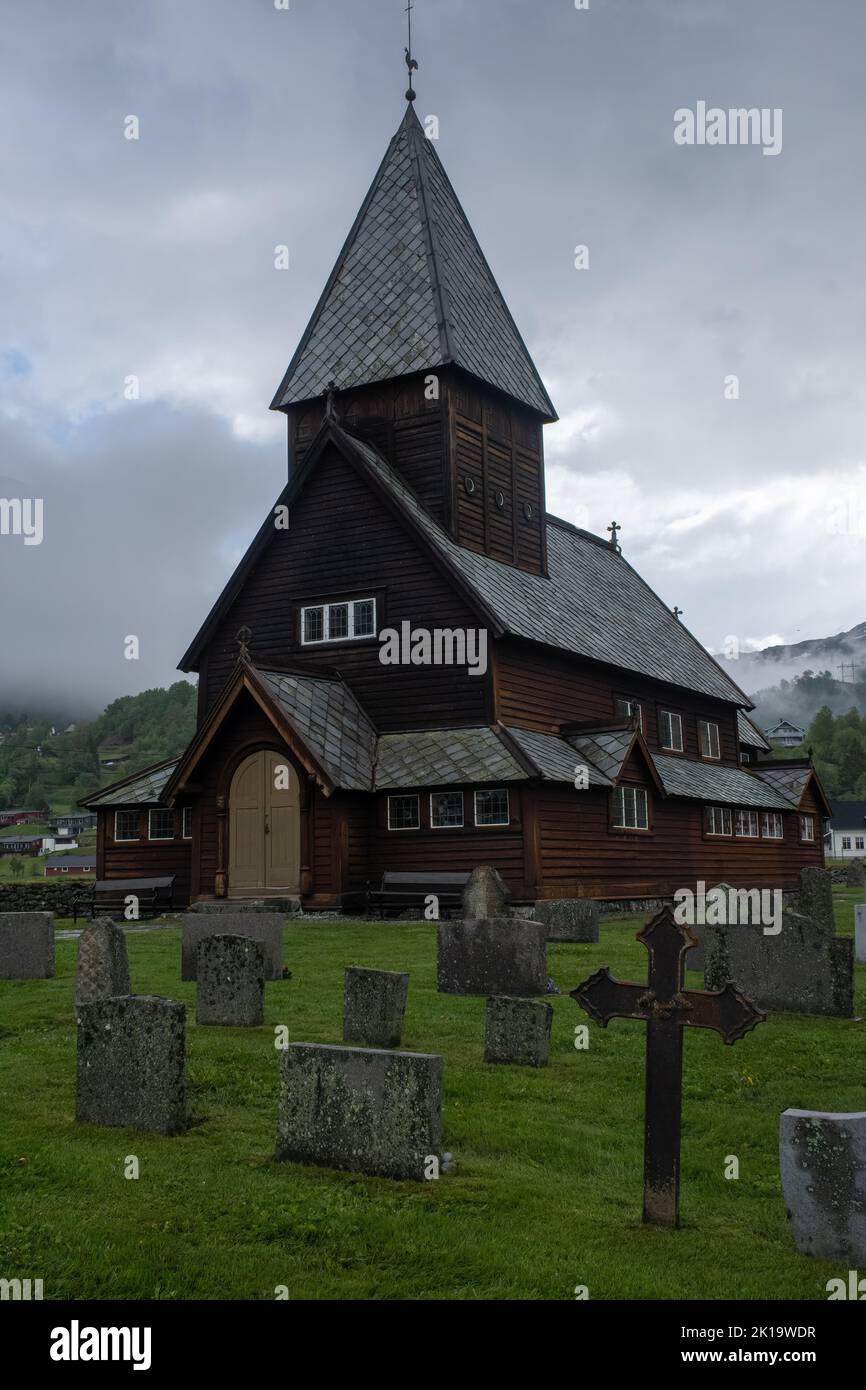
708, 735
160, 825
807, 827
630, 808
404, 812
491, 808
126, 825
846, 841
629, 709
772, 826
747, 825
187, 822
859, 842
338, 622
719, 820
446, 810
671, 731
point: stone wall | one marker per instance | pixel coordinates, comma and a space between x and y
48, 896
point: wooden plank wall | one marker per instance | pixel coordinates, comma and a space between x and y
144, 858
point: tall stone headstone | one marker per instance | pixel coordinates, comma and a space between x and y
130, 1065
822, 1157
485, 894
374, 1003
569, 919
26, 945
102, 970
264, 927
502, 955
798, 970
361, 1110
231, 982
517, 1031
860, 933
815, 899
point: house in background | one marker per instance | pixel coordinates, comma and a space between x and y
415, 666
846, 832
27, 844
19, 817
71, 864
73, 822
785, 735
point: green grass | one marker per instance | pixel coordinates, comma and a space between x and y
547, 1192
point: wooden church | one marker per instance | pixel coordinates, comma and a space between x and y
415, 667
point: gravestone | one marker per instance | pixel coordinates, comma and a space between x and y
102, 971
822, 1158
374, 1002
361, 1110
26, 945
485, 894
860, 933
695, 957
800, 970
568, 919
815, 899
264, 927
501, 955
130, 1066
517, 1031
231, 982
855, 873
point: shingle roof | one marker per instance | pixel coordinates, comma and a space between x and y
789, 782
437, 757
848, 815
704, 782
411, 290
332, 723
591, 603
749, 734
71, 861
143, 790
557, 758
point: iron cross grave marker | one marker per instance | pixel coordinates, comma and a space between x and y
666, 1008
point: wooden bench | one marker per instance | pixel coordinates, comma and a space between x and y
155, 896
404, 890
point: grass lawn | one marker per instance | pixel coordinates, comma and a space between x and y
547, 1191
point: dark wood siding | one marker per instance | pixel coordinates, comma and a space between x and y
143, 858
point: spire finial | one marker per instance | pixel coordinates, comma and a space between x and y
243, 637
410, 61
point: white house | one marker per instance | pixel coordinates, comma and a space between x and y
846, 835
785, 735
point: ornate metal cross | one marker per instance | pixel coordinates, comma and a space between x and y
666, 1008
613, 528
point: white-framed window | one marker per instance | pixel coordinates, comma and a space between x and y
629, 709
807, 827
708, 735
187, 823
859, 842
719, 820
338, 622
630, 808
671, 731
160, 825
126, 825
446, 810
747, 825
491, 808
846, 841
772, 826
404, 812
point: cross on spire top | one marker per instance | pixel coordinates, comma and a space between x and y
410, 61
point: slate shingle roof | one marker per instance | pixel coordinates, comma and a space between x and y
330, 721
411, 290
556, 758
704, 782
592, 603
749, 734
438, 757
789, 782
143, 790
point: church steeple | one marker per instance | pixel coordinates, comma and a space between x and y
411, 291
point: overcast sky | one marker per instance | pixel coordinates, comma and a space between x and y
260, 126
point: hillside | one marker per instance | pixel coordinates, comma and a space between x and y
772, 665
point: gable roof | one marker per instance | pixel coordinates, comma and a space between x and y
848, 815
749, 735
139, 789
706, 782
411, 290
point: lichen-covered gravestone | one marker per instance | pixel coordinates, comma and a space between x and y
801, 969
26, 945
264, 927
517, 1031
361, 1110
485, 894
374, 1003
130, 1066
503, 955
822, 1157
568, 919
231, 982
103, 967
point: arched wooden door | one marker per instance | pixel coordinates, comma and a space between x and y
264, 825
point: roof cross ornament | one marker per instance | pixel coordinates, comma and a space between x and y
243, 637
676, 612
613, 528
410, 61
